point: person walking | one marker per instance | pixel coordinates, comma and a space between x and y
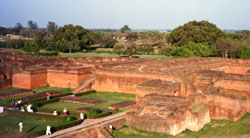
20, 126
82, 116
48, 130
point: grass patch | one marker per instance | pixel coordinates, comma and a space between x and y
7, 101
79, 54
109, 97
216, 128
8, 90
9, 123
47, 88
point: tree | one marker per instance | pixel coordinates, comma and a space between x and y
131, 36
197, 32
151, 37
15, 43
64, 35
3, 31
193, 49
40, 39
31, 47
73, 45
32, 25
130, 49
228, 47
51, 28
125, 28
17, 28
119, 48
244, 34
108, 42
244, 53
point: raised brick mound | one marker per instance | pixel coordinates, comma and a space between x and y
39, 95
122, 105
84, 109
168, 114
81, 100
15, 93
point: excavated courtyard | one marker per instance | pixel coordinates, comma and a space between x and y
171, 95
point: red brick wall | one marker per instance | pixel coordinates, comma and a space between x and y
38, 78
233, 85
233, 69
62, 78
22, 80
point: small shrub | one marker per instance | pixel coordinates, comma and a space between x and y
95, 111
99, 115
85, 93
69, 118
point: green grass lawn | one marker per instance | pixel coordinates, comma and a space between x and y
7, 101
109, 97
47, 88
216, 128
79, 54
9, 124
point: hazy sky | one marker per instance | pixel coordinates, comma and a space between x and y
138, 14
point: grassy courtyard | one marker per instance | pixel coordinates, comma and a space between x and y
7, 101
9, 124
79, 54
109, 97
216, 128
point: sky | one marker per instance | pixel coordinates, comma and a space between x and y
137, 14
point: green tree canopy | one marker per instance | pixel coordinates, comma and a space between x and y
125, 28
197, 32
73, 34
119, 48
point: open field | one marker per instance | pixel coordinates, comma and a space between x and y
110, 98
9, 124
79, 54
216, 128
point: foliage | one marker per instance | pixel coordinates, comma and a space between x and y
69, 118
95, 37
151, 36
192, 49
71, 37
131, 36
15, 43
17, 28
84, 93
130, 49
31, 47
51, 28
48, 53
32, 25
228, 47
125, 28
97, 113
197, 32
119, 48
145, 49
165, 50
244, 34
3, 31
244, 53
3, 44
108, 42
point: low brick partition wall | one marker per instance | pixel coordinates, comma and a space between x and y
39, 95
81, 100
15, 93
122, 105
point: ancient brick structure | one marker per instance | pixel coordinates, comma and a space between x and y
221, 86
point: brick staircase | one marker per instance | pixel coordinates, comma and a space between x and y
103, 133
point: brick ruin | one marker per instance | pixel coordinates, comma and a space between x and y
171, 95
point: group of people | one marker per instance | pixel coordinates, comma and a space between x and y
16, 105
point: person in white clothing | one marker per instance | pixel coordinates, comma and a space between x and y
48, 132
110, 128
20, 126
82, 116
